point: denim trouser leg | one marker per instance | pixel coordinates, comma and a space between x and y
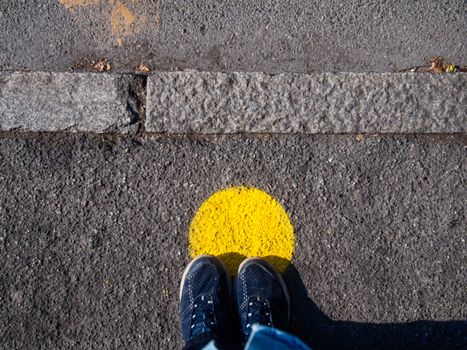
267, 338
198, 343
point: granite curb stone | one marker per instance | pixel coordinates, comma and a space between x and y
84, 102
206, 102
216, 103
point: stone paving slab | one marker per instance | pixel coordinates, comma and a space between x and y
205, 102
43, 101
93, 235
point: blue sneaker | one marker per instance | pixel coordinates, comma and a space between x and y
205, 308
262, 296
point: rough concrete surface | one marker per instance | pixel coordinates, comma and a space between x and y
44, 101
271, 36
205, 102
93, 235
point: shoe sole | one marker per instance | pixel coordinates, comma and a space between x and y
278, 276
185, 273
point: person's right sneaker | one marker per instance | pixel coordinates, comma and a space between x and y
205, 308
262, 296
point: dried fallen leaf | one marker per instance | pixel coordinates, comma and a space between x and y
101, 65
359, 137
440, 65
141, 68
436, 65
450, 68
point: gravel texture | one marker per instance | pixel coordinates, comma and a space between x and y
93, 235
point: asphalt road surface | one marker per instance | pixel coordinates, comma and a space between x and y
270, 36
93, 235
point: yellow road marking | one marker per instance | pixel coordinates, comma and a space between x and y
241, 222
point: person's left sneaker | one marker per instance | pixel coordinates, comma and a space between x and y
205, 307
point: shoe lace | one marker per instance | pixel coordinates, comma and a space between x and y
203, 317
259, 312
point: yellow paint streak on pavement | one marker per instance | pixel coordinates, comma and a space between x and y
73, 3
122, 19
241, 222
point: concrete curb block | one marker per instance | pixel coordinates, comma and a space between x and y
214, 103
67, 102
204, 102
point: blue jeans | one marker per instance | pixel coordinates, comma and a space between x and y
267, 338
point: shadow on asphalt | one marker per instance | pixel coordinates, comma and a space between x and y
320, 332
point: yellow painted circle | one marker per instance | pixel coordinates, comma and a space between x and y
241, 222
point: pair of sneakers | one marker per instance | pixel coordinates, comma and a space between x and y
206, 308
